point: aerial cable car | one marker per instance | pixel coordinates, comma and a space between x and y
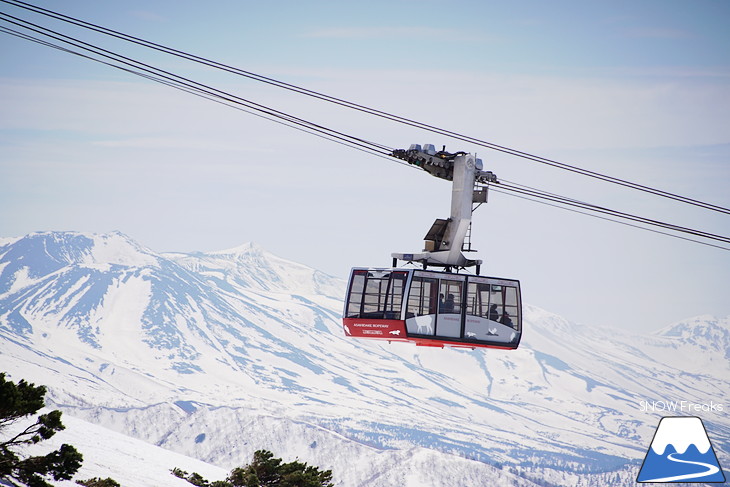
444, 307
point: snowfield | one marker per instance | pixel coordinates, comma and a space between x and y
203, 358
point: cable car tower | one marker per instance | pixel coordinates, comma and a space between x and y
438, 308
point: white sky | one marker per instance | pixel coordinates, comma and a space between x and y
636, 90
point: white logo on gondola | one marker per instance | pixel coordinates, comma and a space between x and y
426, 326
347, 330
395, 332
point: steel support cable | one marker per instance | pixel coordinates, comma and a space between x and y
142, 42
508, 187
513, 183
619, 214
188, 56
599, 209
191, 88
576, 202
591, 206
191, 91
362, 108
494, 188
193, 84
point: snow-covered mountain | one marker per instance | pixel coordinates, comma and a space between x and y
215, 355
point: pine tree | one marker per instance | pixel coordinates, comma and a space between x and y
266, 471
97, 482
16, 402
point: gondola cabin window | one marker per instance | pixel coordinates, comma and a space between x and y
504, 299
357, 287
376, 294
496, 303
477, 299
450, 296
423, 298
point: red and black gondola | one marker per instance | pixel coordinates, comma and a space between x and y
431, 308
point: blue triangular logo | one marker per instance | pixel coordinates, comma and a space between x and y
681, 452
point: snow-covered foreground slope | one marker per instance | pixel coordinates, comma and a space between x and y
136, 463
215, 355
132, 462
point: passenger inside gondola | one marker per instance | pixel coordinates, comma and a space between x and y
448, 304
506, 320
493, 313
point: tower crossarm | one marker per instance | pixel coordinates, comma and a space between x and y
441, 163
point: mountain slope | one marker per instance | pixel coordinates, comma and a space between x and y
129, 461
240, 345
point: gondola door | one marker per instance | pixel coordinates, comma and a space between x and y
448, 322
423, 303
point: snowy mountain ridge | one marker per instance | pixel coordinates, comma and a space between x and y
217, 354
250, 266
704, 332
